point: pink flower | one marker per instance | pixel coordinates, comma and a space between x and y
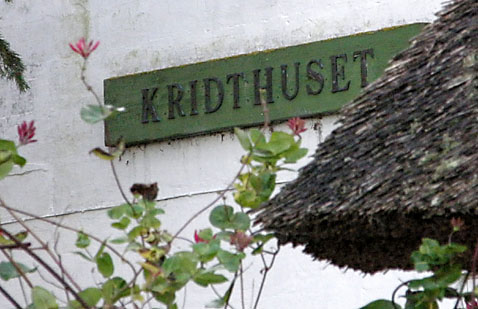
297, 125
472, 305
240, 240
26, 132
457, 223
84, 49
198, 239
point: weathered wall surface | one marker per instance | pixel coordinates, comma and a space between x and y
61, 179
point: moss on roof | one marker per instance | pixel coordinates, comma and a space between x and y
403, 162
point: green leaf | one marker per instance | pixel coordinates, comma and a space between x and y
82, 240
278, 143
119, 240
21, 236
263, 237
448, 275
8, 145
181, 262
134, 211
229, 260
83, 256
109, 156
96, 113
204, 278
8, 270
42, 299
105, 264
221, 216
243, 139
257, 137
117, 211
150, 221
136, 231
206, 251
246, 198
111, 290
122, 224
240, 221
381, 304
104, 155
5, 168
296, 155
166, 298
91, 296
5, 156
206, 234
217, 303
19, 160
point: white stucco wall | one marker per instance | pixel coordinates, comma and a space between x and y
143, 35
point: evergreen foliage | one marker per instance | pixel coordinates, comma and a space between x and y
11, 66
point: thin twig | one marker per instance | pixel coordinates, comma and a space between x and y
147, 301
473, 269
49, 269
24, 294
118, 184
229, 291
395, 292
88, 86
17, 268
13, 246
49, 281
197, 214
56, 237
265, 110
10, 298
185, 239
241, 280
461, 290
264, 276
185, 296
70, 229
215, 291
40, 241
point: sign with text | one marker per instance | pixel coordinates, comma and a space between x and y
304, 80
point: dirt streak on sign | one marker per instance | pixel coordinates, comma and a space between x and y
303, 80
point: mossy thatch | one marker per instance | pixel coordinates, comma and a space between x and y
403, 162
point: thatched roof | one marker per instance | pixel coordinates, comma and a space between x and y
403, 162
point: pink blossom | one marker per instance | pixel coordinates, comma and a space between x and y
297, 125
240, 240
198, 239
26, 132
472, 304
83, 49
457, 223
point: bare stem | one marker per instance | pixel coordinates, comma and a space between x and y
10, 298
473, 269
220, 196
70, 229
87, 85
17, 268
462, 287
265, 110
40, 241
241, 279
49, 269
264, 275
13, 246
395, 292
113, 169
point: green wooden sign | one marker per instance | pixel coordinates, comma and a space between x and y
304, 80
